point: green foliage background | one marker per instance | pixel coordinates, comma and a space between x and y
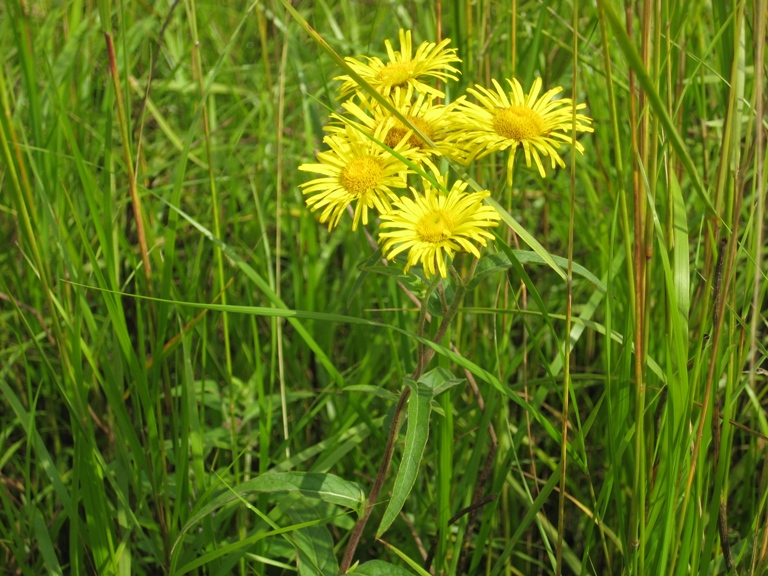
146, 385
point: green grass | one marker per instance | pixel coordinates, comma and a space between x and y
196, 377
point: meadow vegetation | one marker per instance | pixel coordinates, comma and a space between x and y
208, 362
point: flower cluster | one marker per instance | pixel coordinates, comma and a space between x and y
373, 147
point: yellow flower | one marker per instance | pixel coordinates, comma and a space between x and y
355, 169
433, 226
404, 67
540, 125
435, 121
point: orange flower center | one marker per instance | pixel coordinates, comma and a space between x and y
397, 132
396, 73
518, 123
435, 227
360, 175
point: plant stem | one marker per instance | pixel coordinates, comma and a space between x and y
423, 359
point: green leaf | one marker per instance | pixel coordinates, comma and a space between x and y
379, 568
681, 256
45, 544
410, 561
105, 15
440, 380
488, 265
419, 409
238, 545
678, 394
326, 487
314, 545
435, 302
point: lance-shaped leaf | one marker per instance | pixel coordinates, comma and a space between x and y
326, 487
419, 409
379, 568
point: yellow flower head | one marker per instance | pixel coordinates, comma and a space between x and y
404, 67
433, 225
355, 169
435, 121
504, 121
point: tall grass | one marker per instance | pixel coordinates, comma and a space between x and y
195, 377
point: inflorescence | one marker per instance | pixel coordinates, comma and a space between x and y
372, 150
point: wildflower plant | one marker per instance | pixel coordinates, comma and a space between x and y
382, 167
199, 378
373, 148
